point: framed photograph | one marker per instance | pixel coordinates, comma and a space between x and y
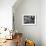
29, 19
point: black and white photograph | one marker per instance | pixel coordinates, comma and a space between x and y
29, 19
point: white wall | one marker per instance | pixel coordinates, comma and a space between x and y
29, 7
6, 13
43, 22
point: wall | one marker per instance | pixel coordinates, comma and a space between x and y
43, 22
32, 32
6, 13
